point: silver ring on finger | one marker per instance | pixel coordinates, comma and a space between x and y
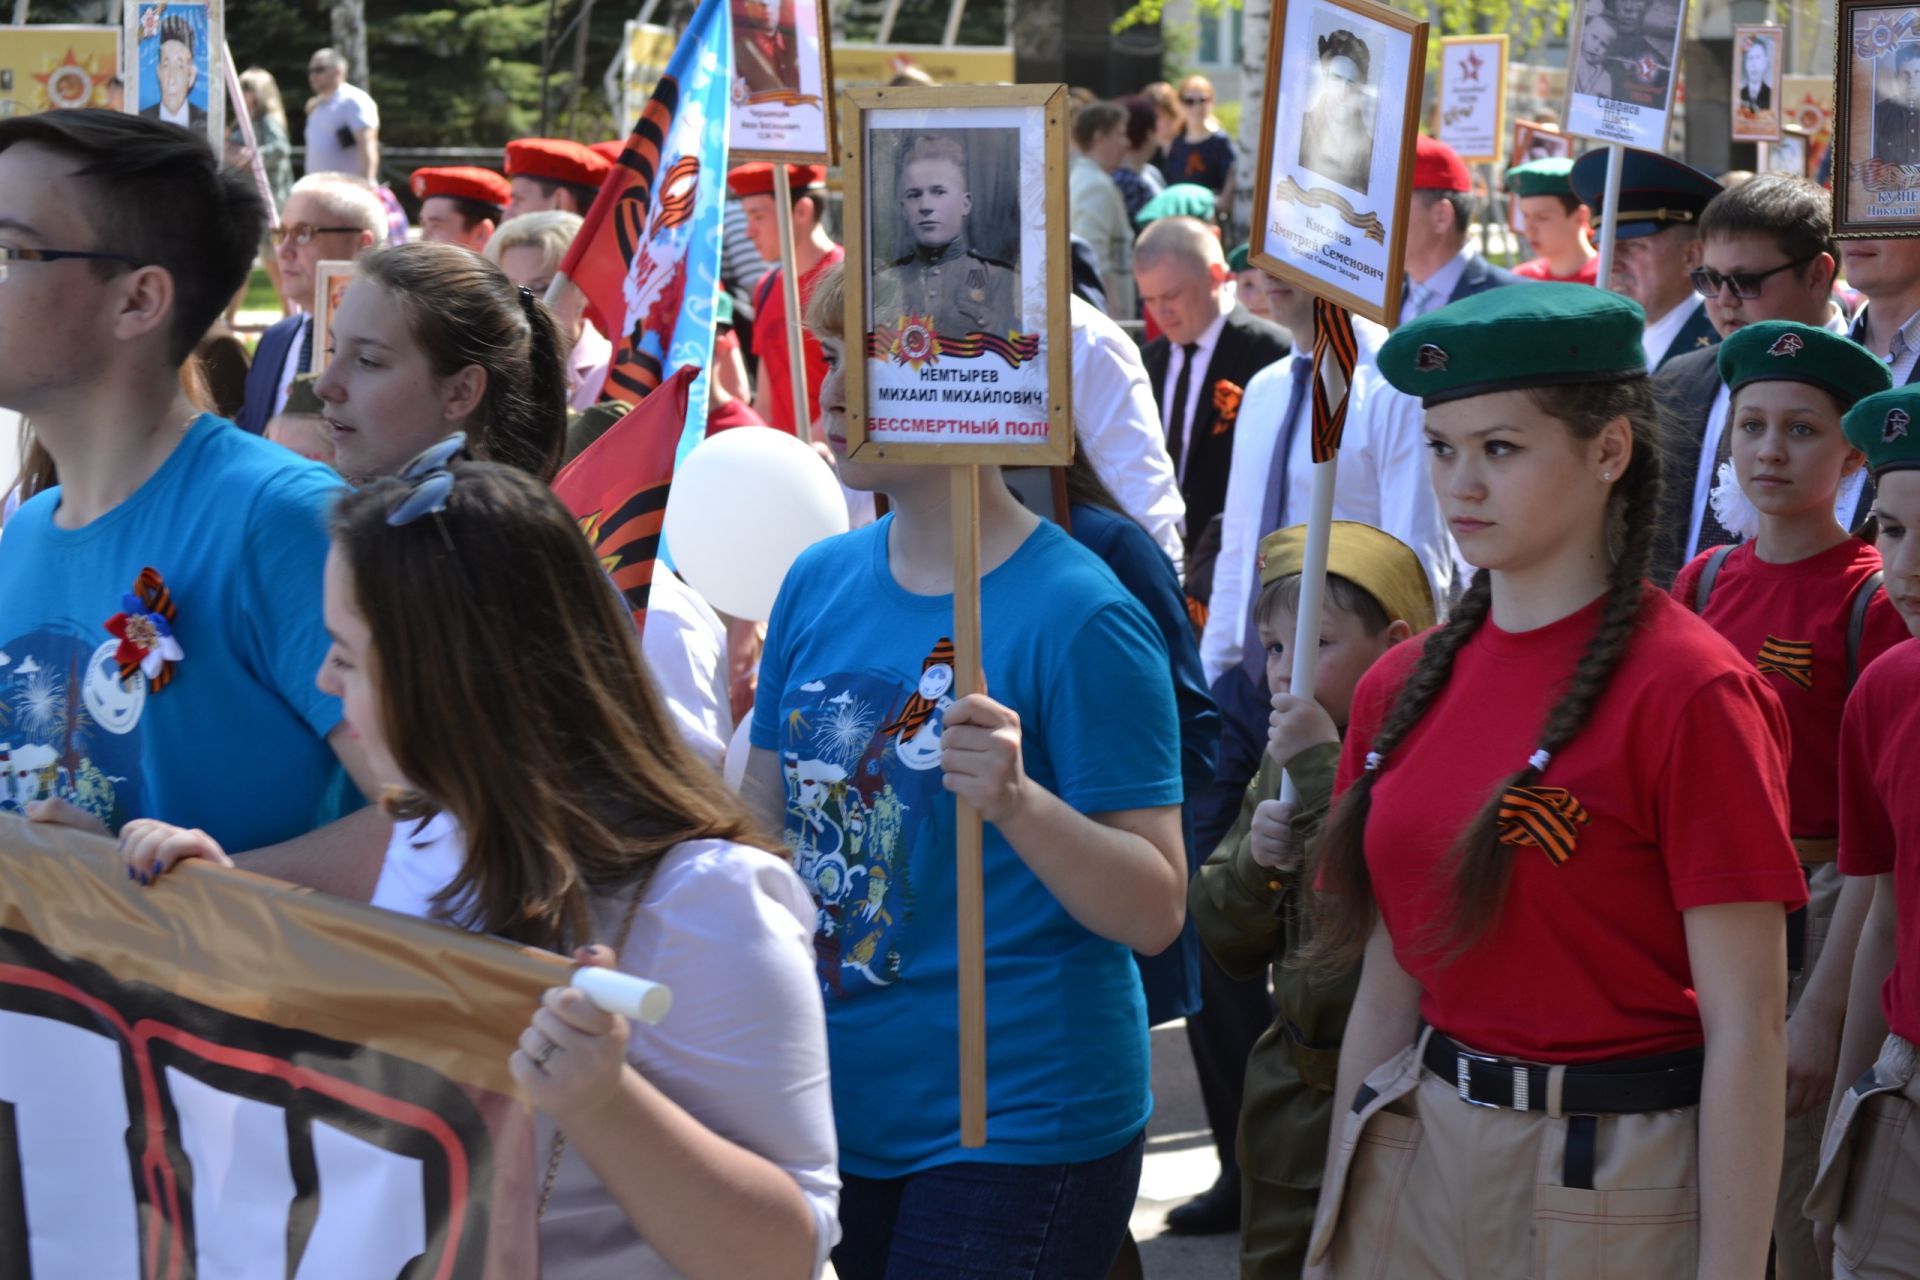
547, 1050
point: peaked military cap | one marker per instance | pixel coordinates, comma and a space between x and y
1655, 192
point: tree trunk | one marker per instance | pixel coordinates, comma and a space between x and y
1255, 16
350, 38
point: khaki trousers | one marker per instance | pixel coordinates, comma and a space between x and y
1869, 1180
1794, 1257
1429, 1187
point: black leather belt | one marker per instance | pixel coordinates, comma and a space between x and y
1664, 1083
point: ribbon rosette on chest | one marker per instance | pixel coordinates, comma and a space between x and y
144, 628
1226, 405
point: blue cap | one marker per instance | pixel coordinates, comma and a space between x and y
1655, 192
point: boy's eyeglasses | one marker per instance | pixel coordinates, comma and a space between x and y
1745, 284
10, 256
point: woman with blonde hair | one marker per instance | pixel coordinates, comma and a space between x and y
1202, 153
272, 144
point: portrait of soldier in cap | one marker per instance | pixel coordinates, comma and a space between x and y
1337, 140
766, 57
177, 72
943, 277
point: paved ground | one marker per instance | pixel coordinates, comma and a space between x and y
1180, 1164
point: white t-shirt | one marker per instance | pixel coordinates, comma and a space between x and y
685, 648
348, 108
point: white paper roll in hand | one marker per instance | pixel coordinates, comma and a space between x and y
632, 998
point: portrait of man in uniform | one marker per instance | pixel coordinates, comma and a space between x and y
943, 276
766, 56
1337, 141
179, 71
1896, 117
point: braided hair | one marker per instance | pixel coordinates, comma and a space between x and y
1476, 869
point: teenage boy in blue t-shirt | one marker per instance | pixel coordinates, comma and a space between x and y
160, 623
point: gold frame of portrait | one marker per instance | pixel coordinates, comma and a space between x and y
325, 272
827, 106
1846, 224
1776, 73
1416, 30
1500, 88
216, 76
1057, 324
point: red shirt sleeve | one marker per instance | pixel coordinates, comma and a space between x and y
1866, 828
1688, 583
1730, 742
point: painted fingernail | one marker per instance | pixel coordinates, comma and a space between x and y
146, 877
130, 874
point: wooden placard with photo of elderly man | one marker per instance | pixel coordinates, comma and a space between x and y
173, 64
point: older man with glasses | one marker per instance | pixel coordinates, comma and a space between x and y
329, 217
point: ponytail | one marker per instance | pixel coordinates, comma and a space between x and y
529, 427
1477, 868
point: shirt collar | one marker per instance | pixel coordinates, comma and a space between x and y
1441, 283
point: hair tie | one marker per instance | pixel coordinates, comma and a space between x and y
1538, 760
1373, 762
526, 301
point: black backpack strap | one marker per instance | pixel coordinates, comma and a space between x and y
1708, 572
1857, 622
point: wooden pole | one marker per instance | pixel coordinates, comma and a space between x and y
790, 289
240, 113
970, 885
1610, 212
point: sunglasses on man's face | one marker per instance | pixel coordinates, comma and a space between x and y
1745, 284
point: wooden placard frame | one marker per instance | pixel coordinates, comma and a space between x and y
828, 114
1853, 174
212, 78
1447, 45
1648, 139
1056, 327
326, 274
1386, 311
1776, 38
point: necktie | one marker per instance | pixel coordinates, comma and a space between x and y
1177, 422
1711, 532
1253, 658
306, 347
1417, 295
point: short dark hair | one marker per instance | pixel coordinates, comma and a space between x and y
159, 195
176, 28
1095, 119
1345, 44
1796, 214
1142, 116
1461, 202
583, 196
473, 212
1568, 203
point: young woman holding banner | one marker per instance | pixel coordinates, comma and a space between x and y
1071, 758
1562, 850
493, 677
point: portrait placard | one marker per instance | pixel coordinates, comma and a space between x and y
782, 82
1792, 154
1624, 54
330, 280
955, 285
1876, 134
172, 57
1473, 96
1756, 98
56, 67
1336, 151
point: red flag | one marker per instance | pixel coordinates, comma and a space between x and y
617, 488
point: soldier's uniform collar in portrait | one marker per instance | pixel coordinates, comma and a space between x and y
960, 290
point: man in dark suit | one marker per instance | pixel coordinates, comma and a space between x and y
329, 216
1208, 350
1441, 268
1766, 253
1656, 244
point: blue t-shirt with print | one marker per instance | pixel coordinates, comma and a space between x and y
234, 741
854, 685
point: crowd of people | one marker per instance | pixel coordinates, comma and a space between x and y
1562, 921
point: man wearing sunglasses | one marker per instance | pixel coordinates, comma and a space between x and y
1766, 253
329, 217
160, 613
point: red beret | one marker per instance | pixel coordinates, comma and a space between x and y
1438, 167
609, 150
556, 160
463, 183
757, 179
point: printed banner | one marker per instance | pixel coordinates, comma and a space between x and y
222, 1075
1473, 96
55, 68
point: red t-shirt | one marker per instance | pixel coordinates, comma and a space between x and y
770, 343
734, 413
1783, 615
1880, 811
1538, 269
1682, 769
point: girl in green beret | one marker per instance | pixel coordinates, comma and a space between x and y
1561, 849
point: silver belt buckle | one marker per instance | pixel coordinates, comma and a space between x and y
1463, 1080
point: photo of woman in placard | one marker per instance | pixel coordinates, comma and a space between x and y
1337, 142
952, 255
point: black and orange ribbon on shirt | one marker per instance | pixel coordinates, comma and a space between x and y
1790, 658
1335, 351
1548, 818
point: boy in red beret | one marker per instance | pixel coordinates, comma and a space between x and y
814, 252
553, 173
460, 205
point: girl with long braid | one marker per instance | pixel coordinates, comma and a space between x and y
1562, 851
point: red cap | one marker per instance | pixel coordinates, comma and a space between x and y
463, 182
757, 179
1438, 167
609, 150
556, 160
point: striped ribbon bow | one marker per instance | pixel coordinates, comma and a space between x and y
1790, 658
1335, 350
144, 627
1548, 818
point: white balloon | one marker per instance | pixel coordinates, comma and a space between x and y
734, 770
744, 504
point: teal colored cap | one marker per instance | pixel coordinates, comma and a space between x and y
1782, 351
722, 307
1886, 427
1181, 200
1529, 335
1547, 177
1237, 257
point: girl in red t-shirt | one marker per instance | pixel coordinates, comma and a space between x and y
1562, 850
1802, 600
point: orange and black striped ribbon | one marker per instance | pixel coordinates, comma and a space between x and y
1548, 818
154, 597
1790, 658
920, 709
1335, 350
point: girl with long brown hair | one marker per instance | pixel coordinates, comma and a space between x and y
491, 674
1562, 851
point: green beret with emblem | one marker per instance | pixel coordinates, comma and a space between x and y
1782, 351
1181, 200
1544, 177
1886, 427
1237, 258
1530, 335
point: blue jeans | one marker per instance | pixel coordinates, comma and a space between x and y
989, 1221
